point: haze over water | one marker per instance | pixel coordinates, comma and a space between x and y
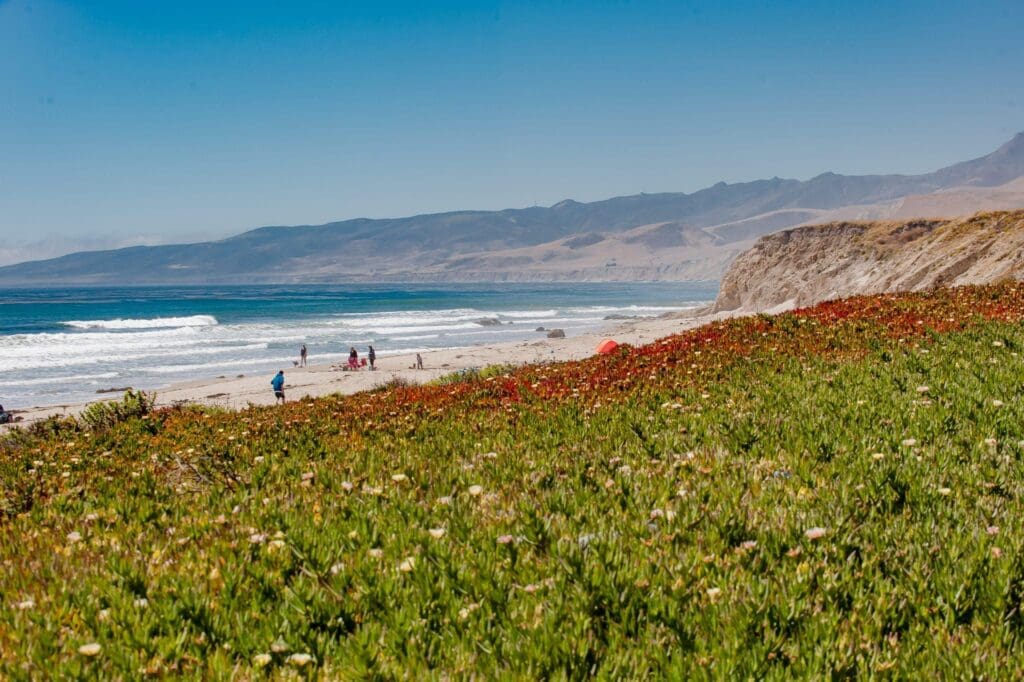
60, 346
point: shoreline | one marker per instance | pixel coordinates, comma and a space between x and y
323, 379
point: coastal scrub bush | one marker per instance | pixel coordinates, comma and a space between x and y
474, 374
834, 493
105, 415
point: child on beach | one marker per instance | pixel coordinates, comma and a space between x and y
277, 383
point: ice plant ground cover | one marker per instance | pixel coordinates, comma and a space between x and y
835, 491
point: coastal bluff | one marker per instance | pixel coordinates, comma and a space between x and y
804, 265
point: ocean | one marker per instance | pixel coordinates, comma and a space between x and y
62, 345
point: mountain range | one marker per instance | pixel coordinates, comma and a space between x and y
666, 236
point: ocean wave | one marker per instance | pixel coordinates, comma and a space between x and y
419, 328
404, 318
414, 337
42, 381
637, 309
81, 357
150, 323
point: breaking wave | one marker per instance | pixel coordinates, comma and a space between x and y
152, 323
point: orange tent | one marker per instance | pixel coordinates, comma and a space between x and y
606, 346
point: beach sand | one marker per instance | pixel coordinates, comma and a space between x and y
318, 380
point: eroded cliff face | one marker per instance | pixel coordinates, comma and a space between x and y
804, 265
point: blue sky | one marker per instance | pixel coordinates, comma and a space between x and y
182, 120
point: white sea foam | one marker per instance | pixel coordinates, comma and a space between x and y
152, 323
60, 379
420, 318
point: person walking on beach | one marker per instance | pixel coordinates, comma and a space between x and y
372, 355
302, 356
419, 361
278, 385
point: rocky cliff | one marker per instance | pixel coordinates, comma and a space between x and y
800, 266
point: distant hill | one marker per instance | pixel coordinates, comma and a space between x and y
645, 236
806, 265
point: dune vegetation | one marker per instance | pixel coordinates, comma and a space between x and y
835, 491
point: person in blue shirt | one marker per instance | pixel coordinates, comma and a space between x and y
278, 385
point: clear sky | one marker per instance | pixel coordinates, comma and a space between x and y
165, 121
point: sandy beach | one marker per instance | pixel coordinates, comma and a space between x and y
321, 379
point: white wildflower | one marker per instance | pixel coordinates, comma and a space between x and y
91, 649
300, 660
